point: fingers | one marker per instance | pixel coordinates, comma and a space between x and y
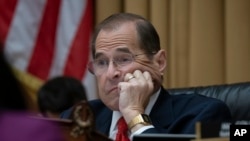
131, 77
145, 76
128, 77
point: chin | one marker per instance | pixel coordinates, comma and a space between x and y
112, 96
113, 105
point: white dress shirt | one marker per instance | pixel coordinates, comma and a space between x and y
116, 116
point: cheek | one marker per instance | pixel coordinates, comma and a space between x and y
155, 73
100, 83
152, 69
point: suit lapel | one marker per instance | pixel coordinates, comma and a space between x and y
104, 121
162, 111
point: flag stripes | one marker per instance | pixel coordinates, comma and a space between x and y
79, 46
43, 52
48, 38
7, 12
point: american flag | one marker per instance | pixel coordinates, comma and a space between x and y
48, 38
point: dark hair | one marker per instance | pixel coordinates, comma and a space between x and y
12, 95
148, 37
60, 93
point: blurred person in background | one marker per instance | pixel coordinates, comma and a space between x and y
15, 120
59, 94
12, 95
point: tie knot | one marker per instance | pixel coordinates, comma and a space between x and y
122, 125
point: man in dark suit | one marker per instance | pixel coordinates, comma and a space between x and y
128, 64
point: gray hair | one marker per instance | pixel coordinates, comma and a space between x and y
148, 37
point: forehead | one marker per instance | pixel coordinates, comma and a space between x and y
123, 36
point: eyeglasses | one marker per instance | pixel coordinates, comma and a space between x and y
101, 64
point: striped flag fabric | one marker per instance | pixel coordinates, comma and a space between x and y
48, 38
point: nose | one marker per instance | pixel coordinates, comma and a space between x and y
112, 70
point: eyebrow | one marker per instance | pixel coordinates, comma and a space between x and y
123, 50
98, 54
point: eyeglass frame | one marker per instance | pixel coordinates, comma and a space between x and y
91, 67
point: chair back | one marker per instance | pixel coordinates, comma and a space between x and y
235, 95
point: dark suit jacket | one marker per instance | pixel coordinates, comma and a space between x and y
170, 114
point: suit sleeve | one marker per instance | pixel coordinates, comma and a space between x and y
184, 123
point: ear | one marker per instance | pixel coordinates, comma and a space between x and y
91, 67
161, 60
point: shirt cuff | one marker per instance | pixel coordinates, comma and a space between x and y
139, 131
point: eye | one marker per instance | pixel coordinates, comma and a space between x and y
124, 59
101, 63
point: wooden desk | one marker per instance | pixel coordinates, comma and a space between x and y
198, 133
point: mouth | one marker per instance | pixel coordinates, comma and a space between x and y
113, 89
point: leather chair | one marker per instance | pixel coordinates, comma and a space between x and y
235, 95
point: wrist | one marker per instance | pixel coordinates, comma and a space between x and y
141, 119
